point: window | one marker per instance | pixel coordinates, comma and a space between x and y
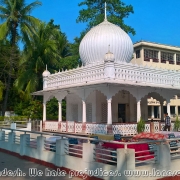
167, 57
172, 110
178, 110
138, 54
178, 59
151, 54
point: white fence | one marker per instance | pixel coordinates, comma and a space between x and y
93, 128
86, 156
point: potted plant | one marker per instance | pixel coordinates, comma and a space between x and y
177, 124
141, 126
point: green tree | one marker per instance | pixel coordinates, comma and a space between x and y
16, 18
48, 46
94, 14
116, 12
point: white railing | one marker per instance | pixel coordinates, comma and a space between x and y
63, 126
51, 126
104, 155
70, 126
32, 142
125, 129
83, 153
147, 128
92, 128
78, 127
74, 150
140, 74
75, 76
163, 124
156, 126
17, 139
96, 128
123, 71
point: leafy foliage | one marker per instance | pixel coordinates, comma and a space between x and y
177, 124
116, 12
141, 126
15, 15
52, 109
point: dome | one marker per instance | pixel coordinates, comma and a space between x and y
96, 42
46, 73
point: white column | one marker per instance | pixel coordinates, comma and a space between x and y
138, 110
109, 111
44, 111
83, 111
159, 56
142, 54
175, 58
152, 111
60, 111
159, 112
176, 110
162, 111
168, 109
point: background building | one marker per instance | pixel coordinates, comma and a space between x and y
158, 56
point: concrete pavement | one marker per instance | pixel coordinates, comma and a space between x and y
27, 170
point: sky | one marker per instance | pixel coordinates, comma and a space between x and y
153, 20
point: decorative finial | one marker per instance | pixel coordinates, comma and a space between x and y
105, 15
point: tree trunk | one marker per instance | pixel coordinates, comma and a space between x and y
4, 106
13, 43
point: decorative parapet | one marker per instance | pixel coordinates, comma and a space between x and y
124, 72
147, 75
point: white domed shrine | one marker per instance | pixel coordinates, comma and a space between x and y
107, 93
95, 44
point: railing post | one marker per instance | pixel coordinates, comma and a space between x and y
2, 135
125, 160
28, 126
40, 143
13, 125
88, 152
60, 151
40, 126
11, 138
163, 156
24, 140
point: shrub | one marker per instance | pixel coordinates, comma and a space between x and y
141, 126
177, 124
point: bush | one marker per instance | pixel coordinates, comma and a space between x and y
141, 126
177, 124
1, 118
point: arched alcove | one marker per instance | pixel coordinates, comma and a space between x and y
96, 107
124, 107
73, 107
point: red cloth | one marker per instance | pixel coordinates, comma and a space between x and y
137, 147
145, 135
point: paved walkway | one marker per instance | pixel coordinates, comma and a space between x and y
12, 163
